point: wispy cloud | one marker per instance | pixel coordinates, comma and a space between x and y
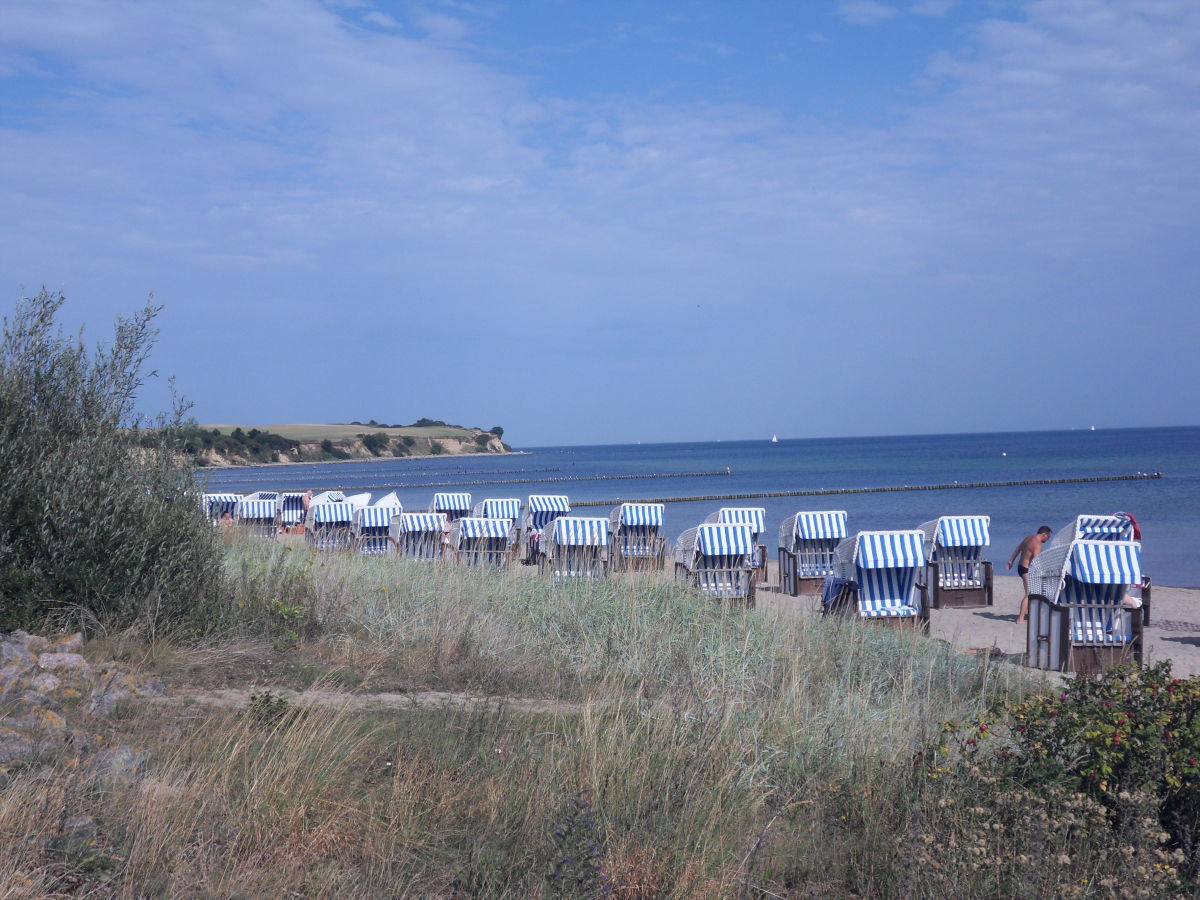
866, 12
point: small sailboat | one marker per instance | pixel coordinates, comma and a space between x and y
774, 439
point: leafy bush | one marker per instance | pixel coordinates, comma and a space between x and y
483, 439
377, 442
436, 448
1129, 731
96, 525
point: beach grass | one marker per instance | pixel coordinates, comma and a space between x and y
623, 738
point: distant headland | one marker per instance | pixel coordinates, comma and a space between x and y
246, 445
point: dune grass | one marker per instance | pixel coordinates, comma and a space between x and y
694, 749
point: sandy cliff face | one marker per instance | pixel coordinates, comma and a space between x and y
311, 451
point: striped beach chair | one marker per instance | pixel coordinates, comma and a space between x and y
370, 528
422, 535
880, 573
258, 518
291, 509
455, 506
482, 541
540, 510
574, 548
1087, 603
807, 550
1117, 527
328, 526
756, 518
958, 576
217, 505
718, 560
637, 540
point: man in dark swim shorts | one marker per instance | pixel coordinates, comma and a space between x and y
1027, 550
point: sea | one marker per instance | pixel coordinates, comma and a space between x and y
1167, 508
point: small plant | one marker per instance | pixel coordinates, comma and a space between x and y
268, 708
576, 869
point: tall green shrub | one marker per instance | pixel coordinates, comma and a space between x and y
97, 525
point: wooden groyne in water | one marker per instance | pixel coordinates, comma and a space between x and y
829, 492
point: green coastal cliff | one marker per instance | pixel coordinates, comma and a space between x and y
240, 445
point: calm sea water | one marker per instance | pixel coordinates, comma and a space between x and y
1168, 509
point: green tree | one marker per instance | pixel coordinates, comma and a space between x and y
98, 526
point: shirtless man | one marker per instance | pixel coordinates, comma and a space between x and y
1027, 550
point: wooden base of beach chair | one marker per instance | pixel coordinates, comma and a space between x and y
1049, 645
1094, 660
960, 598
846, 604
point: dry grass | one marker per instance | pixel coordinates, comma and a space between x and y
725, 753
299, 432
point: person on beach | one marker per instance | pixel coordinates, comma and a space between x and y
1028, 548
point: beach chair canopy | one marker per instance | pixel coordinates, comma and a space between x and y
504, 508
1094, 528
642, 514
724, 539
754, 516
1106, 562
388, 499
481, 527
330, 513
220, 503
824, 525
376, 516
446, 502
358, 500
549, 503
884, 550
962, 531
576, 531
327, 497
423, 521
255, 509
263, 495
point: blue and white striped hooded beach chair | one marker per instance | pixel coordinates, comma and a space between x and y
455, 506
959, 576
422, 535
884, 568
216, 505
370, 529
1079, 616
807, 549
637, 539
718, 559
540, 510
291, 508
478, 540
756, 518
328, 526
258, 518
574, 548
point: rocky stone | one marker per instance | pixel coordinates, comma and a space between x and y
14, 747
102, 702
117, 764
13, 653
45, 683
57, 661
71, 644
10, 677
30, 642
33, 698
76, 831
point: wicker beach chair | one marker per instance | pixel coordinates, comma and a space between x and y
482, 541
718, 560
637, 540
498, 508
807, 547
455, 506
291, 509
422, 535
958, 576
755, 517
328, 525
217, 505
540, 510
879, 578
370, 528
1080, 619
574, 548
258, 518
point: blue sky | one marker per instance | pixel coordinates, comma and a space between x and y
623, 221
